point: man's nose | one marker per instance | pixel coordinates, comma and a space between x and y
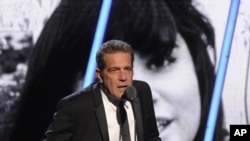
122, 75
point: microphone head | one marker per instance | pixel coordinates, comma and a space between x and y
130, 93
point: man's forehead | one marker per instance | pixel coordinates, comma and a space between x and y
114, 55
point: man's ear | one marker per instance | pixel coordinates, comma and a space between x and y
98, 75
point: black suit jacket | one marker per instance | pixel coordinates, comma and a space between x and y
81, 116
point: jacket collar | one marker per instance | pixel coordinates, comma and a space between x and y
100, 112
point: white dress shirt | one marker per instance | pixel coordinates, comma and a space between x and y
112, 121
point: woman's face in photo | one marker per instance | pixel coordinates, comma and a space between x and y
175, 93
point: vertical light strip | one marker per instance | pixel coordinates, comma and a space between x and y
221, 72
98, 39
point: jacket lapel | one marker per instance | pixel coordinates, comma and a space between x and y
100, 113
138, 118
101, 116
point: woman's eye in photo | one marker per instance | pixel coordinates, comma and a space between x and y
159, 66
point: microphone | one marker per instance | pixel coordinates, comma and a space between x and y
130, 93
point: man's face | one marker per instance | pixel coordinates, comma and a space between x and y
117, 73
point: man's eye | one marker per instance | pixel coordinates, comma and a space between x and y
128, 69
112, 70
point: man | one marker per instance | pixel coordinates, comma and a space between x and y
94, 114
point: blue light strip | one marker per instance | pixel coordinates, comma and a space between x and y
98, 39
213, 113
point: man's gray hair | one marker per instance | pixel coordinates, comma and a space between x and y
112, 46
